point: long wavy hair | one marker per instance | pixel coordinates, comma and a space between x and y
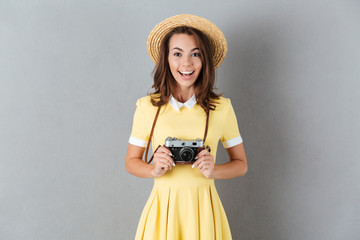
164, 82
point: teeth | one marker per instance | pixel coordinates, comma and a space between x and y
187, 72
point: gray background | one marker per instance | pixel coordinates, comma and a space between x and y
71, 72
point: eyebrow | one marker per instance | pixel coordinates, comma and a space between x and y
182, 50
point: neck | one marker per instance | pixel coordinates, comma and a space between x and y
182, 95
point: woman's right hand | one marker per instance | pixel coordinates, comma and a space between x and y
162, 162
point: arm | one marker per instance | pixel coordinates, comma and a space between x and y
236, 167
134, 163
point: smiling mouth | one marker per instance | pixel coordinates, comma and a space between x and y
186, 74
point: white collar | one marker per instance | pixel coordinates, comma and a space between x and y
177, 105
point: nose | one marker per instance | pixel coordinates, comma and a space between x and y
186, 61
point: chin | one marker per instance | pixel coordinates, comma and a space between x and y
186, 84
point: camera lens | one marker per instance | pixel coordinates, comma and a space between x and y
186, 154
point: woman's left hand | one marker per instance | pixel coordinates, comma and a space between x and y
205, 163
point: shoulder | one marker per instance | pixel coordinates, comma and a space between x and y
144, 100
145, 104
222, 104
223, 100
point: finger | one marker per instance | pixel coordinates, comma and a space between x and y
203, 153
165, 167
168, 164
206, 160
206, 168
162, 167
203, 168
202, 164
164, 162
197, 162
166, 155
164, 150
159, 164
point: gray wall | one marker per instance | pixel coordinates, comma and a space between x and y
71, 71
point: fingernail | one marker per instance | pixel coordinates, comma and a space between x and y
170, 154
196, 157
193, 165
174, 164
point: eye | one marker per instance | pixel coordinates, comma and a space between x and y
177, 54
196, 54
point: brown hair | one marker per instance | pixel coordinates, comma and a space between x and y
164, 82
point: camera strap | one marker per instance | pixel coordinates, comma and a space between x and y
152, 131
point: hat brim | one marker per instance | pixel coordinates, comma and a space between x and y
216, 37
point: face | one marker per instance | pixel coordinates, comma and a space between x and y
184, 59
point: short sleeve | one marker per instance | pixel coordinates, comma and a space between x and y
231, 134
139, 134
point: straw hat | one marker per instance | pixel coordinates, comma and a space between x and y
216, 37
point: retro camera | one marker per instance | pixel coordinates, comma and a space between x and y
184, 152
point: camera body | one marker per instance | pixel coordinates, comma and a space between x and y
184, 152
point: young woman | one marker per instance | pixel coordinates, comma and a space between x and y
184, 203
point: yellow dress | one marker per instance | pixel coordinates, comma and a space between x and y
183, 204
